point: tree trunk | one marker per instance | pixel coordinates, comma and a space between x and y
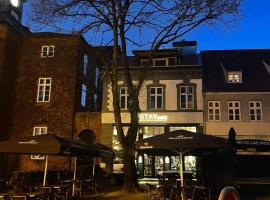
130, 172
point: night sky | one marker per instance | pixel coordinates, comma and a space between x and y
252, 31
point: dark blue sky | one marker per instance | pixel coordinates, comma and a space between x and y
251, 32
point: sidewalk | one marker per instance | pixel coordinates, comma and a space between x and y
115, 193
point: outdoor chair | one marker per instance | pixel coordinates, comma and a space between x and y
19, 197
88, 185
200, 193
44, 194
167, 192
154, 192
62, 193
78, 188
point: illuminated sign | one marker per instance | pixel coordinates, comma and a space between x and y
152, 117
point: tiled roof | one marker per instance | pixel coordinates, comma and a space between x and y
254, 64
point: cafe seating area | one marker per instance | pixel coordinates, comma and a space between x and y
60, 186
169, 188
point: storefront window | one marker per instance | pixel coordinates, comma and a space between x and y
150, 131
175, 163
115, 142
189, 163
187, 128
158, 164
148, 164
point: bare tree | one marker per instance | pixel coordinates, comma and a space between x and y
118, 20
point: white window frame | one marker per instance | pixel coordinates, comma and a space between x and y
42, 88
125, 96
234, 108
186, 94
255, 108
156, 95
158, 59
215, 106
39, 130
47, 51
85, 64
83, 95
234, 77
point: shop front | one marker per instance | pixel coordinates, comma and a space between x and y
152, 124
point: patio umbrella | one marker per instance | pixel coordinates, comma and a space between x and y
180, 142
49, 144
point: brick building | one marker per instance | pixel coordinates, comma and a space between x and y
49, 84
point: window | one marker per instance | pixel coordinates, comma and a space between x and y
47, 51
83, 97
255, 110
124, 98
156, 98
234, 77
158, 62
39, 131
186, 128
44, 89
85, 64
115, 142
186, 97
150, 131
213, 110
234, 110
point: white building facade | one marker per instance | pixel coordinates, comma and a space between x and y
171, 98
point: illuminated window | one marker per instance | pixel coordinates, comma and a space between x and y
83, 97
186, 128
85, 64
115, 143
123, 98
255, 110
47, 51
234, 112
44, 89
187, 97
150, 131
39, 131
189, 163
234, 77
156, 98
213, 110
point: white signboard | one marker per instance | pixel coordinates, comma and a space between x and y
152, 117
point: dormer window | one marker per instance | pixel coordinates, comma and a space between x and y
235, 77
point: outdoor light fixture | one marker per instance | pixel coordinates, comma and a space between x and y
167, 160
15, 3
140, 160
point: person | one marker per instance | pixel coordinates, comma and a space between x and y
229, 193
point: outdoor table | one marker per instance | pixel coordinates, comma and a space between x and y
252, 181
200, 188
2, 195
